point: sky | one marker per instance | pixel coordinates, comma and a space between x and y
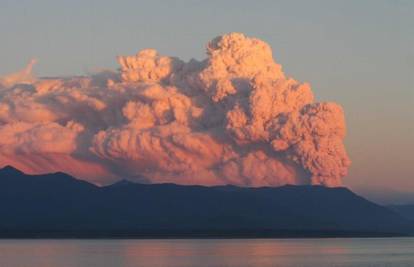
359, 54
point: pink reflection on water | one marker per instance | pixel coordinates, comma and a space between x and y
352, 252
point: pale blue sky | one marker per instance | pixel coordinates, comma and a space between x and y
357, 53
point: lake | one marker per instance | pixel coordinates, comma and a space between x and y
332, 252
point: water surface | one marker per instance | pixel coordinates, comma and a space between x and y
341, 252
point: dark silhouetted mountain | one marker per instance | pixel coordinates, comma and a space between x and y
407, 211
59, 205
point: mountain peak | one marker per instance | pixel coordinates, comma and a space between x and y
10, 170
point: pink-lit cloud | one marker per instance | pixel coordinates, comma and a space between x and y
234, 118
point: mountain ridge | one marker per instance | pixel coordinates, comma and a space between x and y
58, 204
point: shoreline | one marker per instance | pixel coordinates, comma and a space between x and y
199, 235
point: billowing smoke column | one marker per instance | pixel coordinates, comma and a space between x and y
234, 118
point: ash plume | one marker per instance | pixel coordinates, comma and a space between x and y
233, 118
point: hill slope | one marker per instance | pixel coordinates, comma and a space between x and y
59, 205
406, 211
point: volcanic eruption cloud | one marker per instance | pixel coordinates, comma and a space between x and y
233, 118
